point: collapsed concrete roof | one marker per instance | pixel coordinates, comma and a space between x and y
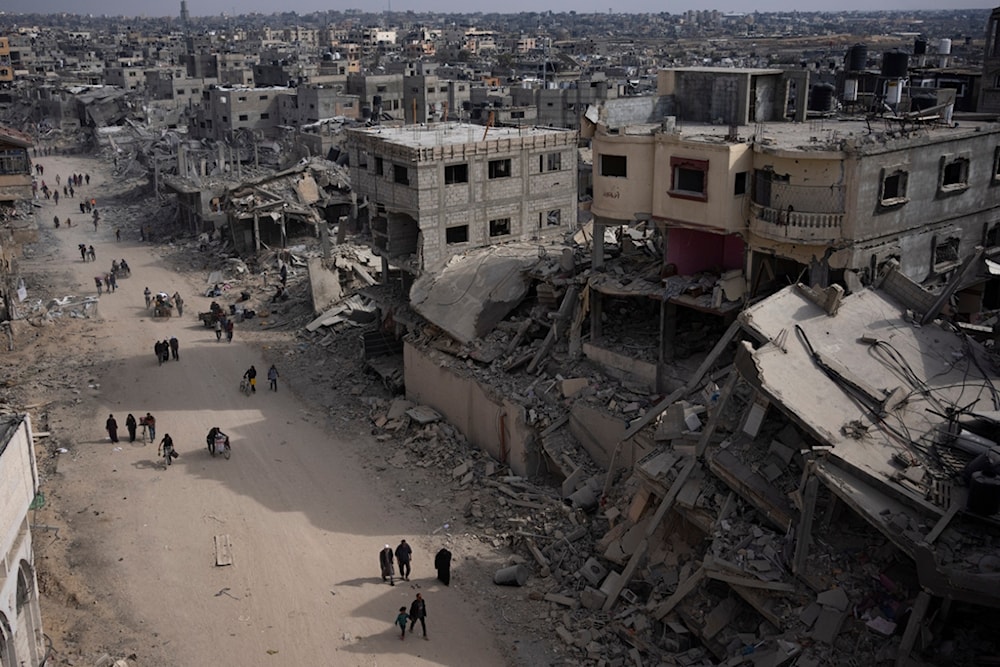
476, 290
876, 391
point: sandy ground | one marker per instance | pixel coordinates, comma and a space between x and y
131, 570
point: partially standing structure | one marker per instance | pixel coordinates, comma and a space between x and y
436, 191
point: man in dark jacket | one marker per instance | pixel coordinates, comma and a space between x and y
385, 564
403, 554
418, 612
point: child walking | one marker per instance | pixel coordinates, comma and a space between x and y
401, 620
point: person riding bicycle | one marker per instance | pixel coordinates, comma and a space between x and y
251, 376
166, 447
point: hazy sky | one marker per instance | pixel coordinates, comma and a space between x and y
210, 7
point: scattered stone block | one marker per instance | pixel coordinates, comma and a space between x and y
593, 572
591, 598
834, 598
573, 386
563, 600
460, 471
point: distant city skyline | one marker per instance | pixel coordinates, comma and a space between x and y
147, 8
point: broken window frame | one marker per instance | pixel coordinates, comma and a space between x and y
679, 181
897, 197
455, 174
500, 227
456, 235
379, 166
14, 161
400, 174
551, 218
614, 166
946, 254
549, 162
953, 174
741, 182
500, 168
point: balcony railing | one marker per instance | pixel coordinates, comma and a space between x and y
797, 226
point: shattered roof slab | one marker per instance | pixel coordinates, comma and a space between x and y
476, 290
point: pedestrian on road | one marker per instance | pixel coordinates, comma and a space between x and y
65, 191
55, 197
418, 612
55, 220
179, 302
272, 377
218, 329
229, 330
58, 179
83, 207
97, 281
158, 350
130, 425
72, 192
86, 177
95, 222
150, 423
149, 297
442, 563
403, 555
174, 345
251, 376
385, 563
69, 223
118, 234
113, 281
83, 251
112, 427
165, 349
92, 254
401, 619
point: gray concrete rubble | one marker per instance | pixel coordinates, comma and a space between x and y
744, 523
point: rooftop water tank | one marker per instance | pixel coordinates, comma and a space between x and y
919, 46
944, 47
895, 64
821, 97
857, 58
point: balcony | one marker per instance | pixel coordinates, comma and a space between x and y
796, 213
796, 226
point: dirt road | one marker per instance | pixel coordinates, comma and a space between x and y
303, 517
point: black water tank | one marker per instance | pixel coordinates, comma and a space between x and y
857, 58
920, 46
821, 97
895, 64
984, 494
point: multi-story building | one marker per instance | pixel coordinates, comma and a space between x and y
380, 94
15, 166
989, 97
21, 638
427, 98
6, 66
128, 78
733, 186
226, 110
443, 189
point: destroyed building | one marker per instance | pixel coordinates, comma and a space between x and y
21, 638
438, 190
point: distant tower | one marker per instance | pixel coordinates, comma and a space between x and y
185, 16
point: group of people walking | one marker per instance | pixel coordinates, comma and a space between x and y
131, 425
166, 350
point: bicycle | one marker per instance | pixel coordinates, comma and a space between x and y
168, 455
245, 386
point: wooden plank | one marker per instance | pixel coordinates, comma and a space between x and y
943, 523
685, 589
223, 550
912, 628
749, 582
803, 532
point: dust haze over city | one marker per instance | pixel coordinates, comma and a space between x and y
600, 336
